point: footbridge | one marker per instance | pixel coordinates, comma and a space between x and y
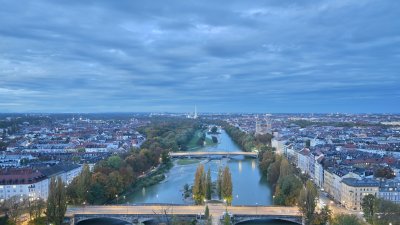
136, 214
211, 154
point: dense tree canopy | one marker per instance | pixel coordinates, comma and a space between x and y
379, 211
118, 173
346, 219
244, 140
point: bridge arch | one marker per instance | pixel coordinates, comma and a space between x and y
246, 220
107, 219
103, 220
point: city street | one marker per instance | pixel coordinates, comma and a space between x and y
335, 207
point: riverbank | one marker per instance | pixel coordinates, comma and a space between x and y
183, 162
246, 179
200, 140
152, 178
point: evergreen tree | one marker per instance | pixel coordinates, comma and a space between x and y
208, 185
207, 212
56, 201
219, 183
227, 219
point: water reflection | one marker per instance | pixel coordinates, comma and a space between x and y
248, 187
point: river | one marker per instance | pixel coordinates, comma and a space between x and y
248, 186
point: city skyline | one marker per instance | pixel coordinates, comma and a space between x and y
227, 56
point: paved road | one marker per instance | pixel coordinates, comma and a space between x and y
215, 210
336, 208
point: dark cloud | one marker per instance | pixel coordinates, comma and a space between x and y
270, 56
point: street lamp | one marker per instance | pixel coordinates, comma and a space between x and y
256, 208
226, 204
117, 198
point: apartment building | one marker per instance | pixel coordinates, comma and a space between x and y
34, 183
390, 190
354, 190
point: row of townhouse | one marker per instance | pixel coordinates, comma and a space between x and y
346, 186
31, 183
349, 188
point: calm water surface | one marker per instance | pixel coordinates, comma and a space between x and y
248, 186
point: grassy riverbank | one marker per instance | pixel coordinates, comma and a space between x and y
194, 142
183, 162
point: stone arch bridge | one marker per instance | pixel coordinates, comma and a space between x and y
135, 214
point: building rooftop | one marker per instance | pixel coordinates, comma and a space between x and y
29, 176
361, 183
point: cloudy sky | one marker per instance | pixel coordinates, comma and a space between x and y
222, 55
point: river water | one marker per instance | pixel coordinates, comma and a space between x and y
248, 186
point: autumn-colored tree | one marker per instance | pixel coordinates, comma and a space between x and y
323, 217
83, 183
287, 190
273, 172
36, 208
226, 185
285, 169
346, 219
198, 186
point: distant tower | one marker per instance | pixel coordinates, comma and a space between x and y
269, 126
258, 127
195, 112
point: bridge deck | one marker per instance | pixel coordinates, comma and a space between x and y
215, 209
207, 154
